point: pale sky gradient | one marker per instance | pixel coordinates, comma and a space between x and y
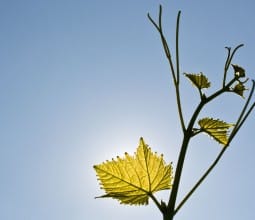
82, 80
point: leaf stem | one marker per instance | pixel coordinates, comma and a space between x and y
154, 199
220, 91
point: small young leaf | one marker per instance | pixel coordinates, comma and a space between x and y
239, 71
133, 179
239, 89
216, 128
199, 80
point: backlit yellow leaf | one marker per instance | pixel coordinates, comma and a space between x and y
216, 128
133, 179
198, 80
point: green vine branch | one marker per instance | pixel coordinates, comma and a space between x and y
238, 125
228, 61
190, 131
175, 75
133, 179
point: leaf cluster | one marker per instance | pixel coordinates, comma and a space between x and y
134, 179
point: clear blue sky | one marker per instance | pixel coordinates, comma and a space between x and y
82, 80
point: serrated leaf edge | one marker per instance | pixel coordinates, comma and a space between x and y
199, 80
143, 198
222, 131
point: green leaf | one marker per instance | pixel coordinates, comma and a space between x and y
239, 89
198, 80
132, 179
216, 128
239, 71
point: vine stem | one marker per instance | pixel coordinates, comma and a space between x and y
228, 61
170, 209
180, 163
177, 88
187, 136
241, 119
200, 180
175, 75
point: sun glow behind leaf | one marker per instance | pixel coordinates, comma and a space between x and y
133, 179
